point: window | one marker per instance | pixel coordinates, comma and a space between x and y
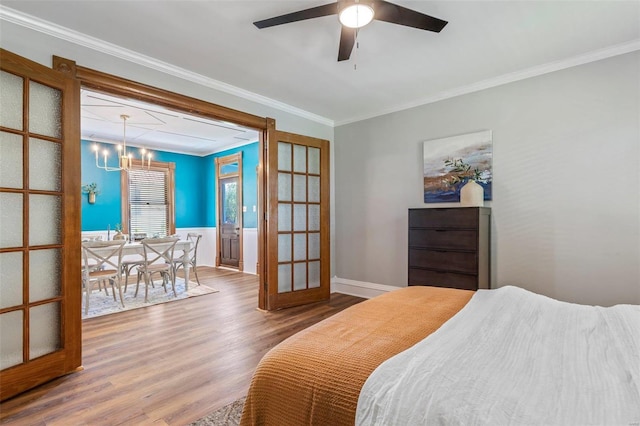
147, 200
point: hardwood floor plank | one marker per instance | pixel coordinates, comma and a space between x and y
168, 364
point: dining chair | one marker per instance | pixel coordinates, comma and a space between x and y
192, 255
158, 258
102, 261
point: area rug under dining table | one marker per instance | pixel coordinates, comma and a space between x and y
102, 304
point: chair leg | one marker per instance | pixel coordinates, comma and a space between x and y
87, 290
147, 278
173, 282
164, 280
119, 290
127, 271
138, 283
195, 272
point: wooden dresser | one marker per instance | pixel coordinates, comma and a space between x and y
450, 247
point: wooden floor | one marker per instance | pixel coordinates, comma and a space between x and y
171, 363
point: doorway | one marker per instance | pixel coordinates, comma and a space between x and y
229, 211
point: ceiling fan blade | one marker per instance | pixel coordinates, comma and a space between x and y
389, 12
301, 15
347, 40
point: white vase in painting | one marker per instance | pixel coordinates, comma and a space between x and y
472, 194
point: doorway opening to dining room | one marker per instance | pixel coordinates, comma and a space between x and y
176, 188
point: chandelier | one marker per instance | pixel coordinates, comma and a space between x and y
125, 158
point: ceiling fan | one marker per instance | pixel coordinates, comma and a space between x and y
356, 14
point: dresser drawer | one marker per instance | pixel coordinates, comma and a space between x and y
442, 279
443, 238
443, 260
444, 218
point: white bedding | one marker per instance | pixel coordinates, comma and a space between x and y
512, 357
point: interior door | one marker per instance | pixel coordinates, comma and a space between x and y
229, 224
230, 215
40, 323
298, 220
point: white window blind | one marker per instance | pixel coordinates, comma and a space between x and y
148, 202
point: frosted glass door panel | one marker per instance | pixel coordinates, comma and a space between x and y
47, 156
45, 110
45, 218
12, 89
10, 279
284, 186
284, 248
299, 159
314, 189
314, 217
11, 209
299, 188
314, 274
44, 274
299, 276
284, 278
11, 339
314, 245
299, 217
284, 217
44, 329
11, 157
284, 156
299, 246
314, 161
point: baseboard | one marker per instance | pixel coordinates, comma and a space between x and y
359, 288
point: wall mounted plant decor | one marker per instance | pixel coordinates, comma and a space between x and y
92, 190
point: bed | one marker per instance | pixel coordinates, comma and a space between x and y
429, 355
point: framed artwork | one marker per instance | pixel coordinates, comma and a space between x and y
449, 163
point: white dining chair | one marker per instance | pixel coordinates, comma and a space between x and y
158, 258
102, 261
192, 255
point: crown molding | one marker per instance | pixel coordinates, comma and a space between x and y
596, 55
54, 30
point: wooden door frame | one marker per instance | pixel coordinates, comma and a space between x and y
108, 83
220, 162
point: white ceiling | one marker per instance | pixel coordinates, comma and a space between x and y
485, 43
155, 127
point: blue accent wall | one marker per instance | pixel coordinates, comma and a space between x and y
106, 210
195, 186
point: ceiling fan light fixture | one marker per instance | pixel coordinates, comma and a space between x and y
356, 15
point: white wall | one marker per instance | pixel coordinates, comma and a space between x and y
566, 205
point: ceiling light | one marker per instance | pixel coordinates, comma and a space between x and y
356, 15
125, 159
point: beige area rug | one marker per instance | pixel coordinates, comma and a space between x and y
101, 304
229, 415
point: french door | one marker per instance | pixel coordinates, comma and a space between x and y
40, 281
297, 220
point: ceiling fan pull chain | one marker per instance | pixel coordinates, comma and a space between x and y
355, 65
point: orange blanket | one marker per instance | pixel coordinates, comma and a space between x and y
315, 376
